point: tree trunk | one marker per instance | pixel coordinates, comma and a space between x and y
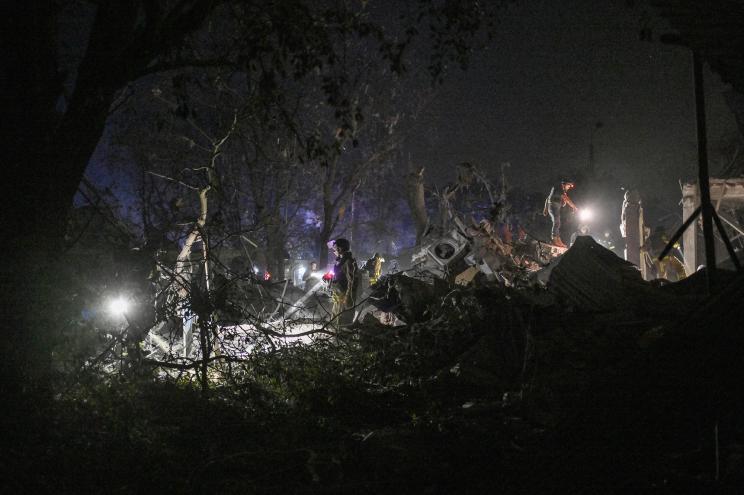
51, 138
275, 247
182, 278
417, 202
44, 156
323, 238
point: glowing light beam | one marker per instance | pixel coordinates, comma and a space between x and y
118, 306
586, 215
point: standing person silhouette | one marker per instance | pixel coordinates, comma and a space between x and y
557, 199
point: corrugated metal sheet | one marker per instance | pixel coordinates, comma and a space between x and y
591, 278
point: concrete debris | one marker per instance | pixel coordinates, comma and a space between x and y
404, 296
465, 252
587, 278
466, 276
443, 257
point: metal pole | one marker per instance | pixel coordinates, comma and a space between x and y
710, 253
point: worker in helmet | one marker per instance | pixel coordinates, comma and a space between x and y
373, 267
670, 267
557, 199
344, 282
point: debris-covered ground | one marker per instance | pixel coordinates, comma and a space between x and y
598, 382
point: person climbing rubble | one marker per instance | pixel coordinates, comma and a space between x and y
557, 199
344, 282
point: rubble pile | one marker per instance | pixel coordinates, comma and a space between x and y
578, 377
598, 370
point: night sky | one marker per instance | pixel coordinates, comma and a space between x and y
553, 70
533, 95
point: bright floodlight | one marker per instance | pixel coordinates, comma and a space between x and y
118, 306
585, 214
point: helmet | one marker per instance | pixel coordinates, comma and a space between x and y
342, 244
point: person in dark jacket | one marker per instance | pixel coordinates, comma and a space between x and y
344, 282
